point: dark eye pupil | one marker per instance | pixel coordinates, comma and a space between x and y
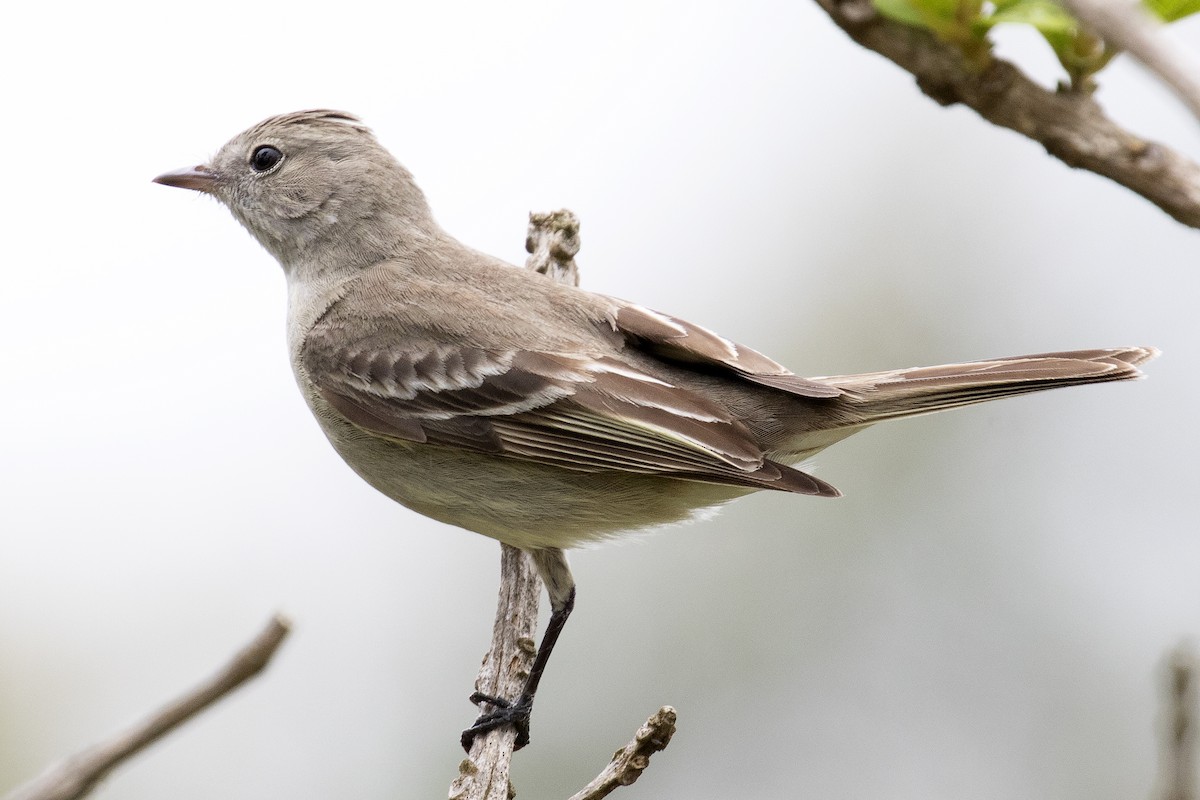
265, 157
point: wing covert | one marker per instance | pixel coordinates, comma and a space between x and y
573, 411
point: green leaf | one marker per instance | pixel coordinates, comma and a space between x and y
942, 17
1051, 20
1171, 10
940, 9
901, 11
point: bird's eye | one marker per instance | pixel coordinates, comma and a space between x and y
264, 158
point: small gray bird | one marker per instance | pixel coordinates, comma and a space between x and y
539, 414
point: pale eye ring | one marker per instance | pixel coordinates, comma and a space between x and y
265, 158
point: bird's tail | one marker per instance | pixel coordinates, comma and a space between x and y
877, 396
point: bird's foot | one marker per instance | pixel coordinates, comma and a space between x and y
508, 712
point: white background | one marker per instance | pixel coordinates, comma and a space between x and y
985, 613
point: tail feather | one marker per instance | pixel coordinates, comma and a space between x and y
877, 396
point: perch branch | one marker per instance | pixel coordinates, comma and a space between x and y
78, 775
552, 242
1071, 126
483, 774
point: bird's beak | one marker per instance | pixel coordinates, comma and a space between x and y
200, 178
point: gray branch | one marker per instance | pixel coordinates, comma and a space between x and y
483, 774
630, 761
1179, 726
552, 242
79, 774
1070, 125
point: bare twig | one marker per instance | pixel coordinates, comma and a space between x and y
1070, 125
79, 774
1128, 26
1179, 740
628, 763
483, 774
552, 243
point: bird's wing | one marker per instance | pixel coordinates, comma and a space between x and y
571, 411
676, 340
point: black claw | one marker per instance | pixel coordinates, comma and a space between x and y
480, 697
507, 713
516, 712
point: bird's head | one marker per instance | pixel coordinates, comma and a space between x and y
314, 187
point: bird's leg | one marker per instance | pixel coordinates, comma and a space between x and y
556, 574
517, 711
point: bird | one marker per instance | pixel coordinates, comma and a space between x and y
537, 413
